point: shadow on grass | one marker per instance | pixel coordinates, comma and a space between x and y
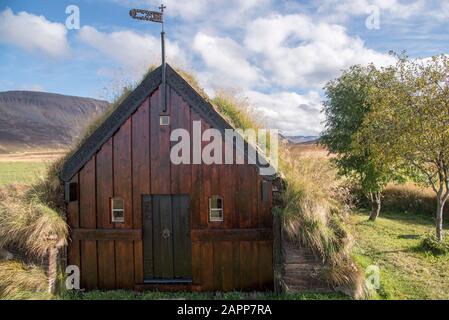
406, 217
429, 245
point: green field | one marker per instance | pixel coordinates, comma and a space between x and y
20, 172
393, 244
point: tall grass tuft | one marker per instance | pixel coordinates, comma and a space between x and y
28, 224
31, 217
315, 212
21, 282
236, 111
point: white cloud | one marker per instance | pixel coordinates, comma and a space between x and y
290, 112
33, 32
203, 9
298, 52
341, 10
226, 61
132, 50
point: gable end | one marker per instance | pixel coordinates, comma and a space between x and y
101, 135
131, 103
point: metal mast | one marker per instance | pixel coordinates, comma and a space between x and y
154, 16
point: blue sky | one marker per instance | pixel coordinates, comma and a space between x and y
276, 54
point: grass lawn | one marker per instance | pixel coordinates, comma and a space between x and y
392, 244
152, 295
20, 172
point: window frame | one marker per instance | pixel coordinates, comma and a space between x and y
163, 117
213, 210
114, 219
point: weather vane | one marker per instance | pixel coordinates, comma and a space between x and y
155, 16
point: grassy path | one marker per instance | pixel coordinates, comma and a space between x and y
392, 243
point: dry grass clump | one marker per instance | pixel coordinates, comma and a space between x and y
30, 216
29, 225
31, 222
410, 198
20, 282
316, 207
236, 111
192, 81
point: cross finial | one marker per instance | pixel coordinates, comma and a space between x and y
162, 7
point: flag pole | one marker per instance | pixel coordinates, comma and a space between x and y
164, 74
156, 16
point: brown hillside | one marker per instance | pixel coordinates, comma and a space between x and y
38, 120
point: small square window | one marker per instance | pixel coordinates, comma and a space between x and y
164, 120
118, 210
215, 209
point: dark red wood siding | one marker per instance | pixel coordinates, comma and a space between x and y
233, 255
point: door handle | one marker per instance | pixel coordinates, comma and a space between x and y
166, 233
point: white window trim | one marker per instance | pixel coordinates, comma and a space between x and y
211, 210
113, 218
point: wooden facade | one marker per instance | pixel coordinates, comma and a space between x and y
166, 240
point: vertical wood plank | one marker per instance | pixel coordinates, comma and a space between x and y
124, 252
106, 250
162, 246
265, 215
265, 254
228, 187
244, 196
124, 264
106, 264
197, 184
160, 148
182, 254
104, 182
236, 264
89, 268
207, 266
141, 177
87, 195
223, 266
249, 270
254, 191
148, 237
123, 171
196, 263
206, 183
181, 175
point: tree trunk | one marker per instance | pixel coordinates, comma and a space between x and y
375, 206
439, 220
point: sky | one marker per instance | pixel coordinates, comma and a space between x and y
276, 54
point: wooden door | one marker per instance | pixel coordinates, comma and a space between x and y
166, 238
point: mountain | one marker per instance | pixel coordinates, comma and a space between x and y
42, 120
302, 139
